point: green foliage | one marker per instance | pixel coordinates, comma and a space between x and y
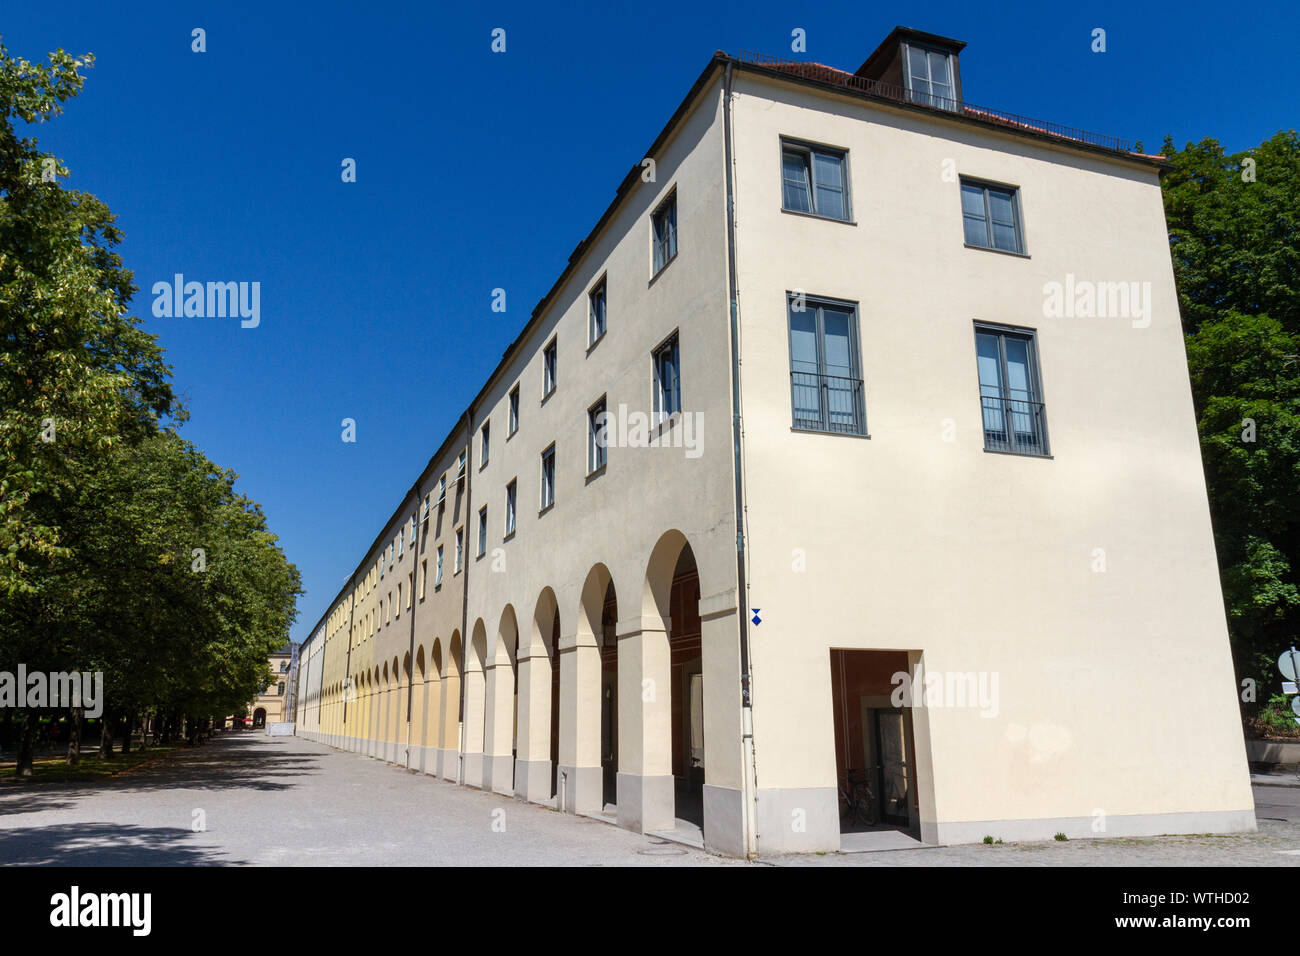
72, 362
99, 526
1275, 718
1236, 252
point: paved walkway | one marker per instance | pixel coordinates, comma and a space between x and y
285, 800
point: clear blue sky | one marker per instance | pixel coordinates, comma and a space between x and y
479, 170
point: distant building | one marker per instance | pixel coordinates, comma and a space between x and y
271, 705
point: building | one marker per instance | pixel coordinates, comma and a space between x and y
865, 391
273, 704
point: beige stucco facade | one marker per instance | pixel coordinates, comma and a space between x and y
273, 705
592, 659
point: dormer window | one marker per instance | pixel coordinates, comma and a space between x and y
929, 77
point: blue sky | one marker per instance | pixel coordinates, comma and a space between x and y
478, 170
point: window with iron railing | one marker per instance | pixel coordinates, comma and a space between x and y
1011, 404
826, 388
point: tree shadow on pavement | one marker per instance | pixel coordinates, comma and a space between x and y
104, 844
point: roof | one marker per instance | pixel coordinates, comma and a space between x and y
863, 87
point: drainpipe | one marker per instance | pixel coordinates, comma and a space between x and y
410, 653
347, 664
468, 420
749, 770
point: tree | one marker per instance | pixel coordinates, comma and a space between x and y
77, 373
102, 504
1233, 233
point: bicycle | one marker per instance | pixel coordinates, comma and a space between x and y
856, 798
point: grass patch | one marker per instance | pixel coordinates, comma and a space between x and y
92, 766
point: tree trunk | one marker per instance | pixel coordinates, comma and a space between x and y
128, 724
26, 732
105, 736
74, 737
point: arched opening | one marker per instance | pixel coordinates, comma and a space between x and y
394, 713
419, 705
501, 718
375, 709
538, 707
259, 718
449, 703
406, 713
672, 593
591, 702
475, 699
374, 704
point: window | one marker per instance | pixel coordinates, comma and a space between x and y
597, 439
596, 313
929, 77
460, 548
424, 576
397, 608
280, 689
401, 544
484, 437
826, 390
437, 580
410, 589
512, 494
813, 180
482, 531
991, 216
668, 384
442, 490
548, 477
460, 465
424, 509
664, 223
1011, 397
413, 522
284, 667
514, 411
548, 369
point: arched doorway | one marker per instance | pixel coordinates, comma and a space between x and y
475, 700
259, 718
588, 715
669, 726
449, 704
538, 704
502, 706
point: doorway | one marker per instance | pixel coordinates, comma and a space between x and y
608, 641
873, 743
